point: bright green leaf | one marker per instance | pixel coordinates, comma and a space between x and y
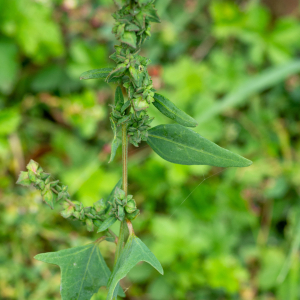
24, 179
95, 74
129, 38
183, 146
48, 198
10, 119
134, 252
32, 166
116, 141
114, 147
106, 224
119, 99
83, 271
171, 111
9, 65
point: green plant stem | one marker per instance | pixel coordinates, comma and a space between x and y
125, 158
125, 186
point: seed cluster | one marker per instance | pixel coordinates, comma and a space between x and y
132, 28
123, 206
53, 191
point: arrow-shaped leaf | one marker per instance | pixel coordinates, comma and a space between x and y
183, 146
96, 73
171, 111
83, 271
134, 252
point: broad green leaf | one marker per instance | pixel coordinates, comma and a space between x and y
107, 223
96, 73
171, 111
83, 271
129, 38
183, 146
258, 83
134, 252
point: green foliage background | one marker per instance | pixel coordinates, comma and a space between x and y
219, 234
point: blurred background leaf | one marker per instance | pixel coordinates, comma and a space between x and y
219, 234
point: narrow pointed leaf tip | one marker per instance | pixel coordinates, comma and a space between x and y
170, 110
134, 252
96, 74
180, 145
83, 271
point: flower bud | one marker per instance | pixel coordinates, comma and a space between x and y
140, 104
100, 206
133, 215
119, 194
130, 207
121, 213
67, 212
32, 166
89, 225
76, 214
32, 176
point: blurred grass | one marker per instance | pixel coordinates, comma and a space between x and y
236, 236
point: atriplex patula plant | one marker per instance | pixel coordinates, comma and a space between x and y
83, 268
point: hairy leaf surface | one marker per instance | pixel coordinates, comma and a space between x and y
96, 73
134, 252
170, 110
181, 145
83, 271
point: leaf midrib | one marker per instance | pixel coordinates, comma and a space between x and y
86, 269
195, 149
172, 112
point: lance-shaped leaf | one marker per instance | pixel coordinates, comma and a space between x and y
134, 252
107, 223
183, 146
116, 140
95, 74
83, 271
171, 111
119, 99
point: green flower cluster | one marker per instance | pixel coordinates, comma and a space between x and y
123, 207
132, 28
53, 191
138, 129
